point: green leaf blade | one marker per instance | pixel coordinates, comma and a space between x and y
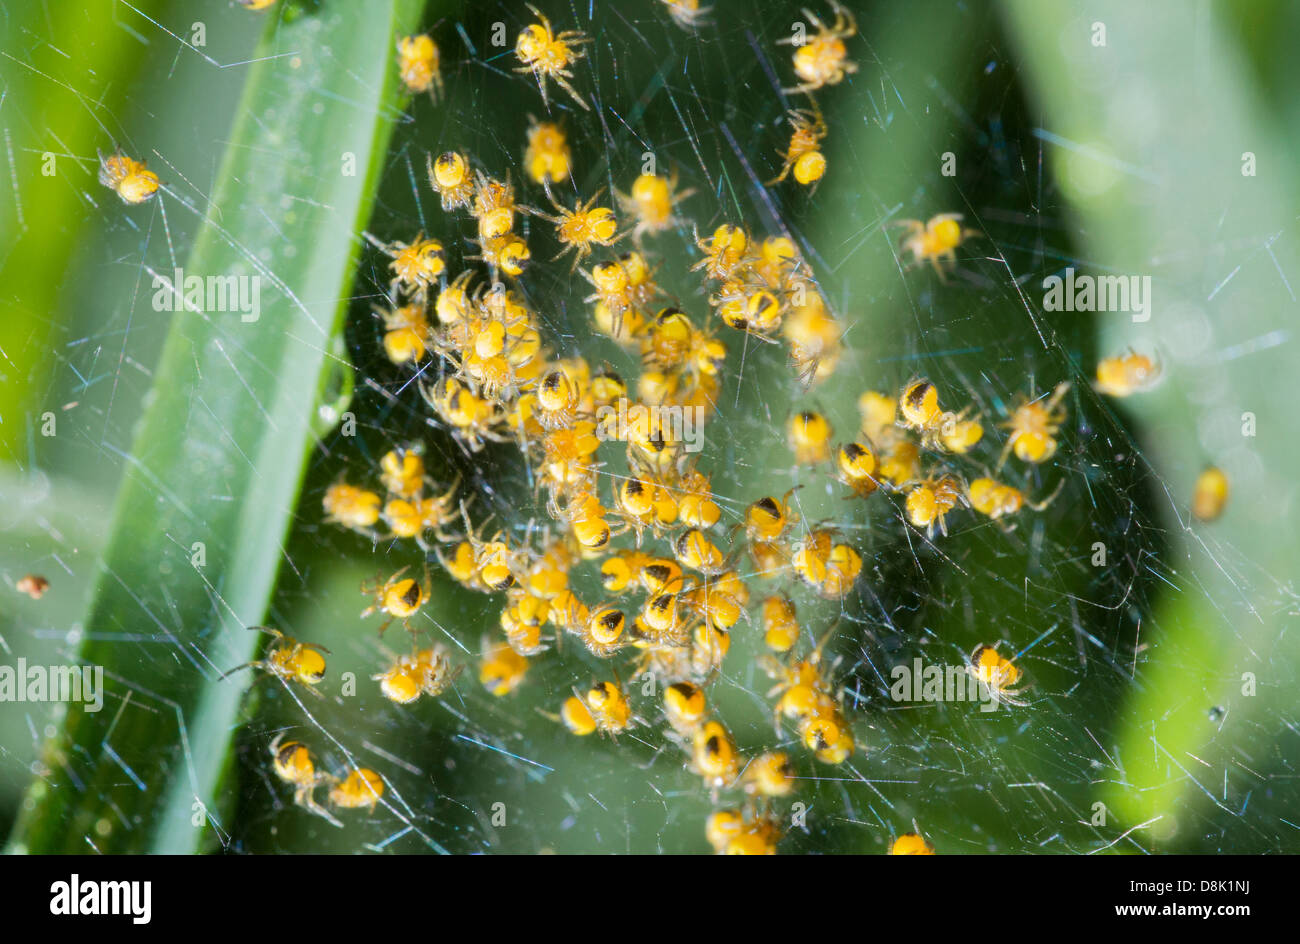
220, 453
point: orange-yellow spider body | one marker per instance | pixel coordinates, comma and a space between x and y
399, 597
652, 202
803, 156
1034, 425
911, 844
502, 669
1210, 495
548, 55
935, 241
128, 178
451, 179
424, 672
857, 468
930, 501
688, 14
582, 228
361, 788
289, 659
810, 437
992, 498
1000, 677
547, 158
1126, 374
780, 625
823, 58
352, 507
294, 765
417, 63
406, 333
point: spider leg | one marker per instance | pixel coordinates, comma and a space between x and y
307, 688
1006, 451
914, 229
939, 258
1048, 500
785, 171
304, 796
564, 84
256, 664
541, 84
1061, 390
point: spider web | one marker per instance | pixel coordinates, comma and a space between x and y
709, 105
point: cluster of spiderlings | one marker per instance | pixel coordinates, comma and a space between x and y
294, 764
764, 288
819, 61
806, 699
498, 384
410, 509
760, 289
673, 595
897, 432
673, 607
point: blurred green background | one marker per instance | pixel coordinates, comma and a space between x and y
1123, 156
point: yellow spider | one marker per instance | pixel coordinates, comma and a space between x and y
1034, 425
581, 228
361, 788
548, 55
1210, 496
128, 178
400, 597
935, 241
417, 62
1001, 677
293, 764
1126, 374
823, 59
652, 202
688, 14
804, 156
289, 659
